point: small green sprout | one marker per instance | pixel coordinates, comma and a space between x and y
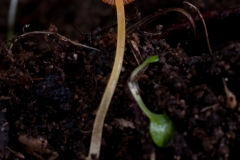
161, 126
11, 17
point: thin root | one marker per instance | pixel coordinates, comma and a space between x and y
62, 38
214, 106
153, 17
204, 25
16, 153
26, 26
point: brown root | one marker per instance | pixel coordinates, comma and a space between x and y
204, 25
155, 16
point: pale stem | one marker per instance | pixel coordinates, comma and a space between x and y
11, 17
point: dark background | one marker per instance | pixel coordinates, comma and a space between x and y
87, 15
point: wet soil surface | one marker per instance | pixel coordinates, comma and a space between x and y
51, 89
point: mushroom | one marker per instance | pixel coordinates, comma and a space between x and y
95, 144
113, 2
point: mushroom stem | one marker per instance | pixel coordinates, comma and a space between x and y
107, 96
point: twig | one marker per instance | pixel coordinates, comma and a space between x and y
134, 48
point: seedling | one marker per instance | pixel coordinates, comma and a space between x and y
161, 127
117, 66
11, 17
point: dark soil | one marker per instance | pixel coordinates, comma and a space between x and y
50, 89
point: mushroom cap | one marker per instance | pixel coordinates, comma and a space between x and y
112, 2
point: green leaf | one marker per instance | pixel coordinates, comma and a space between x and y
161, 129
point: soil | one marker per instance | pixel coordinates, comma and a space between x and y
51, 87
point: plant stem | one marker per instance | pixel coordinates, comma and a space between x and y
134, 87
107, 96
11, 17
134, 90
144, 64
